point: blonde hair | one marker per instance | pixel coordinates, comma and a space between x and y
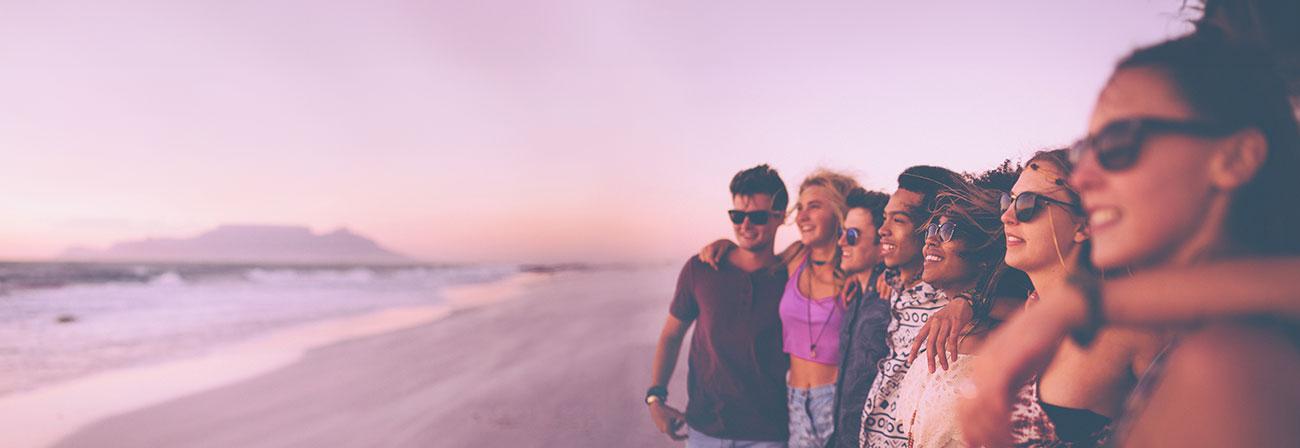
838, 185
1059, 170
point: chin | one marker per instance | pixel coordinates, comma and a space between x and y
1016, 262
851, 269
895, 262
1110, 259
1108, 254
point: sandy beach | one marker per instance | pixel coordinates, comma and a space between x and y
563, 364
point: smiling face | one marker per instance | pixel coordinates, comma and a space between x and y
1146, 213
944, 268
815, 216
900, 245
1051, 238
864, 255
754, 237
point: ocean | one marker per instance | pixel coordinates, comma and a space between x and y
63, 321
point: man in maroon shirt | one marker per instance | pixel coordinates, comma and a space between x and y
736, 382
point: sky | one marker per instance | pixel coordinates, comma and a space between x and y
515, 131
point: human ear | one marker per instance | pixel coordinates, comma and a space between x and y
1081, 234
1236, 163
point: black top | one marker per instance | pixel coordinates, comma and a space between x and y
1074, 425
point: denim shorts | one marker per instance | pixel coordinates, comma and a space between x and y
812, 415
696, 439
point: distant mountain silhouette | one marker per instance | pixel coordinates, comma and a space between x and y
249, 244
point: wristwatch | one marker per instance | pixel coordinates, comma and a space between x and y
656, 394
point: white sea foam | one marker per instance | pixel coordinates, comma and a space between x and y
53, 335
43, 415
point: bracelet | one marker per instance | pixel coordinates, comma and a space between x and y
658, 392
1091, 289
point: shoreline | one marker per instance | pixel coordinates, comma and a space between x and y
42, 416
563, 365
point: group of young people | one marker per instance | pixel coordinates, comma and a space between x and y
1134, 289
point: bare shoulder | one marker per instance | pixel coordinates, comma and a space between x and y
1239, 351
1252, 375
1123, 348
1138, 345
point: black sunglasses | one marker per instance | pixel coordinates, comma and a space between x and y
757, 217
1028, 203
851, 236
1119, 143
944, 231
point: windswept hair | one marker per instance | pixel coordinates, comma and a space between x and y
1236, 85
928, 181
1056, 166
977, 213
1268, 24
978, 216
761, 179
838, 185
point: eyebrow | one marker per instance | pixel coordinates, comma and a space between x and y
897, 213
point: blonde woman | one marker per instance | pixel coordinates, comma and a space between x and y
811, 315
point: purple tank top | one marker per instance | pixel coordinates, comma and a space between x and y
801, 333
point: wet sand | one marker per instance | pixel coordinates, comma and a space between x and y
565, 364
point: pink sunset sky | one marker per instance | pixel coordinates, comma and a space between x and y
491, 130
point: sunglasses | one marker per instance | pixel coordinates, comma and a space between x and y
757, 217
1028, 204
1119, 143
850, 236
944, 231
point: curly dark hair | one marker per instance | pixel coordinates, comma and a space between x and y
977, 213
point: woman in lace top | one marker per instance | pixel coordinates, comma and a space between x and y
964, 248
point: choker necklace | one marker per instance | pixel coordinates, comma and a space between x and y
817, 263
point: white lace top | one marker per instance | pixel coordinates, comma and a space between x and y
927, 403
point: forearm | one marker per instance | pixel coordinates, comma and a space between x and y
665, 361
1188, 295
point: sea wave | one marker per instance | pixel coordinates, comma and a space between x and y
150, 313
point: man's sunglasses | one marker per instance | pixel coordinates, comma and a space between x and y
1028, 203
756, 217
851, 236
1119, 143
944, 231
